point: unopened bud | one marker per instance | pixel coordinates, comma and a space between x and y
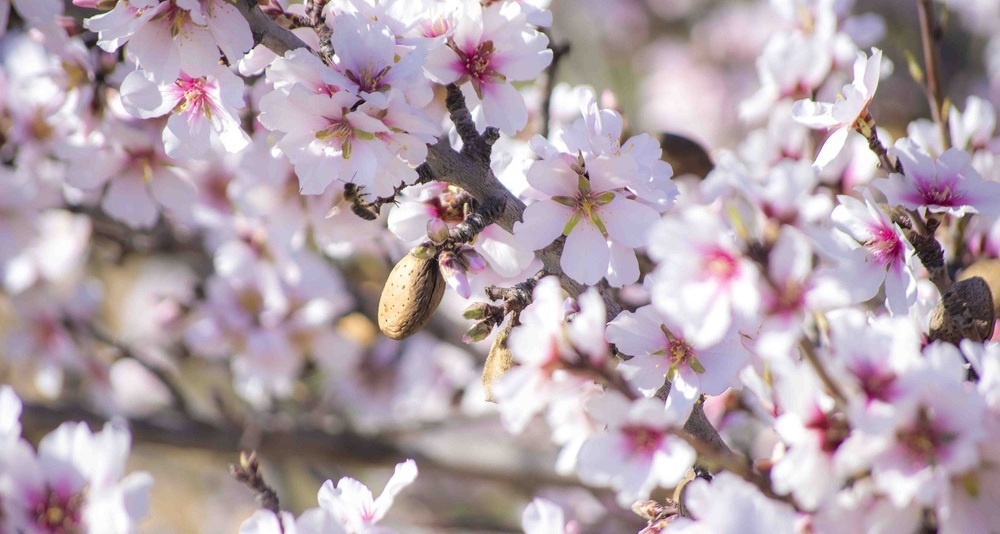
437, 231
424, 252
476, 311
473, 261
478, 332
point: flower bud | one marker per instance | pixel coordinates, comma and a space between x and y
424, 252
478, 332
437, 231
476, 311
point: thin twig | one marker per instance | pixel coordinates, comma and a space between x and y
248, 472
177, 399
930, 38
558, 52
824, 376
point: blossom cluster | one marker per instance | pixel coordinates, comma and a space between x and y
74, 482
794, 339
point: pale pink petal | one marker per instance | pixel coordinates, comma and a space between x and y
814, 114
553, 178
831, 148
543, 223
684, 391
154, 48
404, 475
443, 65
628, 222
187, 136
586, 255
504, 107
144, 98
623, 267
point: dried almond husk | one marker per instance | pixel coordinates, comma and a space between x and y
410, 296
964, 312
498, 361
989, 270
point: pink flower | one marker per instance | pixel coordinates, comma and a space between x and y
167, 37
488, 50
328, 133
368, 62
637, 452
703, 283
352, 504
660, 353
140, 177
730, 505
545, 346
74, 483
888, 253
848, 112
946, 184
200, 109
543, 516
588, 205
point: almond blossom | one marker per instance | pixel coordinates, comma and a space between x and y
637, 452
488, 49
888, 254
587, 204
352, 504
330, 134
74, 482
347, 508
201, 109
661, 353
703, 282
848, 113
945, 184
545, 375
167, 37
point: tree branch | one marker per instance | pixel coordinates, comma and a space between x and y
930, 37
266, 31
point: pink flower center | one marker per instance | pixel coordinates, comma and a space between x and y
876, 383
679, 352
833, 429
195, 97
720, 265
340, 132
56, 514
368, 81
884, 244
642, 440
933, 193
925, 440
478, 66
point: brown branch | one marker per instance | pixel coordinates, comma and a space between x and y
930, 38
266, 31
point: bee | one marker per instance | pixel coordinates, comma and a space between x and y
365, 210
